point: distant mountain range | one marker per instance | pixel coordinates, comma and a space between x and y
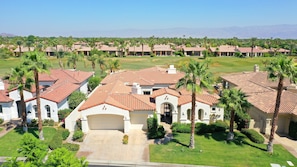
285, 31
6, 35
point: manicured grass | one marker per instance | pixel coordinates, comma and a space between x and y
212, 149
218, 65
1, 129
10, 142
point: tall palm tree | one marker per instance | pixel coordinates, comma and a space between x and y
19, 43
196, 78
73, 59
233, 101
93, 59
21, 79
60, 54
279, 68
102, 63
38, 63
113, 65
253, 44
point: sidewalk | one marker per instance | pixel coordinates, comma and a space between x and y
289, 144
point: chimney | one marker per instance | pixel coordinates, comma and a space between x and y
256, 68
171, 70
136, 89
1, 85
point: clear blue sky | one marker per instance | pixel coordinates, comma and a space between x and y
64, 17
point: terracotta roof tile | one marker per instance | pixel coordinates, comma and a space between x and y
3, 97
163, 91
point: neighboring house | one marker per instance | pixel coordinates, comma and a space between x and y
23, 50
193, 51
261, 94
249, 52
51, 50
111, 50
81, 48
138, 50
162, 50
223, 50
55, 89
125, 100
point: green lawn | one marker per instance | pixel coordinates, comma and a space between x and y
10, 142
218, 65
212, 149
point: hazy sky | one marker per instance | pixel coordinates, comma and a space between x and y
66, 17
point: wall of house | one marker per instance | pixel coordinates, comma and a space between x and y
43, 103
107, 110
167, 98
63, 104
15, 95
7, 111
218, 112
138, 119
199, 106
84, 87
260, 120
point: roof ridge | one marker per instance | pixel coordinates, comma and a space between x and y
69, 74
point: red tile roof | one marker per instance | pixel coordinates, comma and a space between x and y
62, 75
163, 91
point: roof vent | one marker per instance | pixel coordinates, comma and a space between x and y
171, 70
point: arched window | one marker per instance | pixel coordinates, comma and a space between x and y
48, 110
189, 114
200, 114
35, 110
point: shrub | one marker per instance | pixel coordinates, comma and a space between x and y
71, 146
1, 121
220, 126
48, 122
63, 113
33, 123
181, 127
78, 135
125, 139
242, 120
253, 135
78, 124
75, 98
93, 83
64, 133
56, 141
154, 130
293, 130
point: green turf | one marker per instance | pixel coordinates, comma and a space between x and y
212, 149
218, 65
10, 142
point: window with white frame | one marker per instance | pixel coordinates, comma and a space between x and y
48, 110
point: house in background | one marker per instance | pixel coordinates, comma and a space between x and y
193, 51
249, 52
112, 50
162, 50
223, 50
23, 50
261, 94
55, 89
139, 50
125, 100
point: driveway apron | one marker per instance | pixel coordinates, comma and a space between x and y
108, 145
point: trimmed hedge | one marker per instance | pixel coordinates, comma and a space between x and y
200, 128
293, 130
253, 135
71, 147
62, 114
155, 131
48, 122
64, 133
78, 135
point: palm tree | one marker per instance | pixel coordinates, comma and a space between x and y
196, 78
253, 40
60, 54
38, 63
101, 63
93, 59
19, 43
113, 65
73, 59
21, 78
233, 101
279, 69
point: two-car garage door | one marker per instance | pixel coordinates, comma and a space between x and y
106, 122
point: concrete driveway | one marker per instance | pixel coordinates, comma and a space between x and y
107, 145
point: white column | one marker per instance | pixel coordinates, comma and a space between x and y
126, 125
84, 124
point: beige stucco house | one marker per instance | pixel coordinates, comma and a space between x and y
261, 94
125, 100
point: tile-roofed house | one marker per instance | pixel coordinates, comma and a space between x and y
261, 94
23, 50
223, 50
112, 50
126, 99
248, 51
6, 103
193, 51
140, 50
162, 50
51, 50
